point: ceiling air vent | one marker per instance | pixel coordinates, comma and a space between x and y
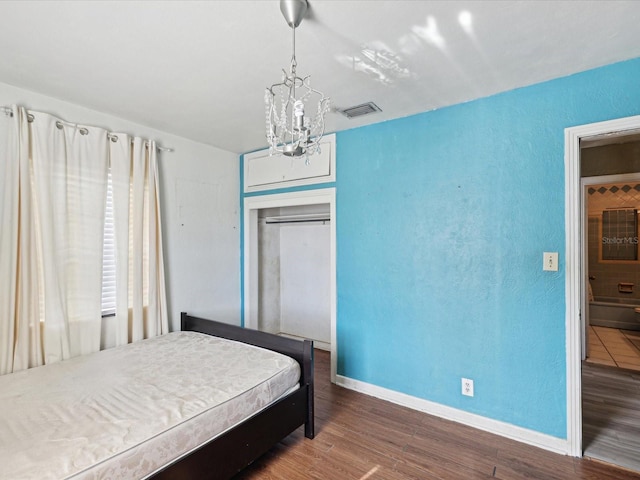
360, 110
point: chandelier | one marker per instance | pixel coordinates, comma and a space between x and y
290, 129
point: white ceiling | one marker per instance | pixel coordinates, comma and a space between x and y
199, 69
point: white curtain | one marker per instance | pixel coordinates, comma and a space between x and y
54, 181
141, 310
20, 337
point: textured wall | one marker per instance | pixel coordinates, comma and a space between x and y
442, 221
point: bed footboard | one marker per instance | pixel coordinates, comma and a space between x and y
226, 455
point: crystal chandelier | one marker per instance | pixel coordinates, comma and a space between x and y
290, 130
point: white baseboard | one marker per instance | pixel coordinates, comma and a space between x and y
520, 434
316, 343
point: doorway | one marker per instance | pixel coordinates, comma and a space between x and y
576, 286
611, 260
265, 206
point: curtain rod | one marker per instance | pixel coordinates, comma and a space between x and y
110, 135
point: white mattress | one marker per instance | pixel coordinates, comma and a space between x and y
127, 411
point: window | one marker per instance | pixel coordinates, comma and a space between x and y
620, 234
109, 257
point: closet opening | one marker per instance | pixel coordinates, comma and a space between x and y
294, 274
289, 258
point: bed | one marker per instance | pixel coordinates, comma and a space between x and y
200, 403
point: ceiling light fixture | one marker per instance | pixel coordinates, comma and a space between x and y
290, 131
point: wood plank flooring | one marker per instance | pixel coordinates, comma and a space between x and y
611, 414
364, 438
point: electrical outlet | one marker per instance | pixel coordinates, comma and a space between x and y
467, 387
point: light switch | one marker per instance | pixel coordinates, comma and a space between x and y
550, 261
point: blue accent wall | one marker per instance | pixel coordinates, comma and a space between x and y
442, 221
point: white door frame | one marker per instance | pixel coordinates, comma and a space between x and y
574, 286
251, 207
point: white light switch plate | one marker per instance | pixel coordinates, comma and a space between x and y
550, 261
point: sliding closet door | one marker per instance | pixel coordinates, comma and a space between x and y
305, 300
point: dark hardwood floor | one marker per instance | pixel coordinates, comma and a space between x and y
361, 437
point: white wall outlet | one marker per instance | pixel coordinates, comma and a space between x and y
550, 261
467, 387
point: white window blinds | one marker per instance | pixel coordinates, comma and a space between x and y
108, 257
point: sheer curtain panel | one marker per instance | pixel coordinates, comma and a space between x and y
54, 184
141, 310
20, 334
69, 175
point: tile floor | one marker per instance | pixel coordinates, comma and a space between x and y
613, 347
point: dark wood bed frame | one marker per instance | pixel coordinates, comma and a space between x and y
227, 454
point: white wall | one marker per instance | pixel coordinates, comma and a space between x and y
268, 276
200, 202
305, 300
